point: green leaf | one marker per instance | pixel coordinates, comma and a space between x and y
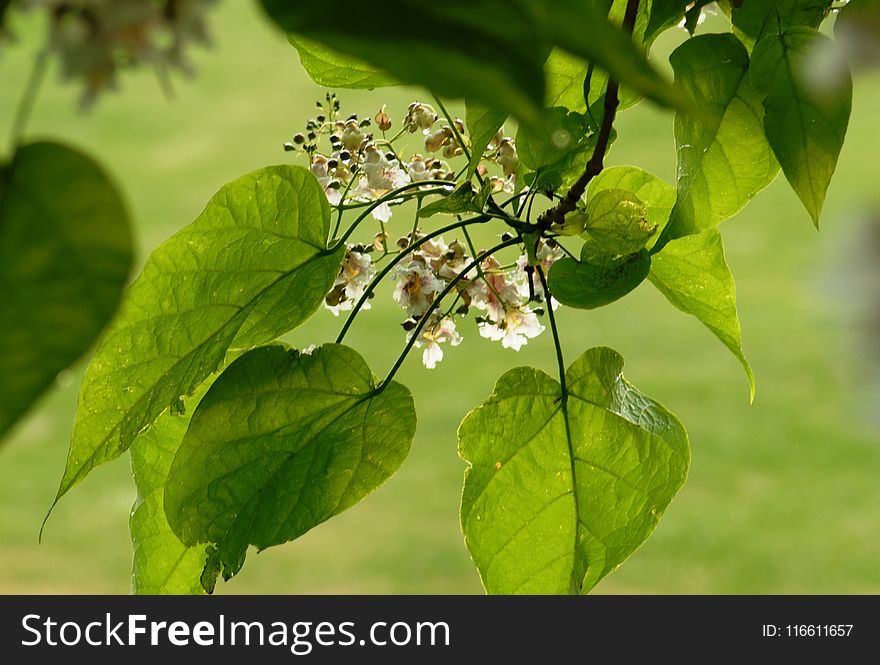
565, 75
754, 19
582, 29
282, 442
251, 267
618, 221
447, 47
658, 196
483, 122
805, 118
334, 70
65, 255
561, 491
490, 52
161, 563
464, 198
665, 14
558, 150
693, 275
565, 130
597, 279
723, 157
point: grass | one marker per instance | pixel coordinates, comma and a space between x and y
782, 495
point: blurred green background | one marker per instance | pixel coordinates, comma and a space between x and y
783, 495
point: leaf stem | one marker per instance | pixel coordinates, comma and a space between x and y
397, 259
548, 298
26, 103
464, 149
340, 209
436, 303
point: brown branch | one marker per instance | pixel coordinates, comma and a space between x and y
596, 162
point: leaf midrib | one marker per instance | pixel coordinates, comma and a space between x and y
84, 467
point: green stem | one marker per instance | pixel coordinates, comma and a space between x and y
26, 103
434, 305
397, 259
480, 273
559, 360
455, 132
563, 402
341, 208
415, 228
390, 196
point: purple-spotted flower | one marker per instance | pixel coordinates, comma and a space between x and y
355, 275
437, 331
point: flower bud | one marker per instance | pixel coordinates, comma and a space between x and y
383, 120
507, 157
380, 242
451, 150
352, 136
436, 140
420, 116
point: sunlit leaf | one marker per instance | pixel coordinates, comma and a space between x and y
464, 198
658, 196
281, 442
618, 221
753, 20
806, 115
723, 157
483, 122
597, 279
562, 489
251, 267
334, 70
693, 275
161, 564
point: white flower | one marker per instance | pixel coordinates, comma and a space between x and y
711, 8
420, 116
435, 333
381, 172
514, 330
507, 157
416, 287
418, 169
382, 212
495, 292
380, 175
355, 275
321, 170
547, 256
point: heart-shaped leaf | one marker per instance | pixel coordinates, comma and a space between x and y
281, 442
563, 486
254, 265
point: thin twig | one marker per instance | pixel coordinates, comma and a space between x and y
596, 162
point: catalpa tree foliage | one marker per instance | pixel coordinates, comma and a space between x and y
238, 440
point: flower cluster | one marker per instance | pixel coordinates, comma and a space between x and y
358, 165
355, 166
501, 295
94, 39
